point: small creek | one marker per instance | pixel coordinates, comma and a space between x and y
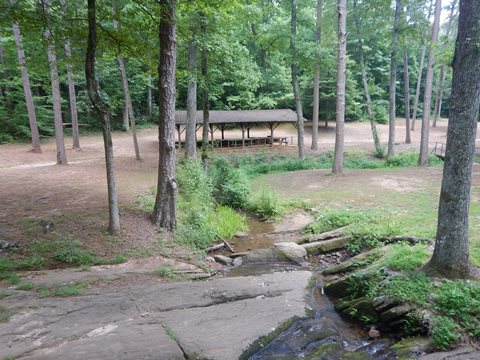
324, 334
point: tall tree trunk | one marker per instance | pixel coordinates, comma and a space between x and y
205, 100
316, 79
32, 118
4, 70
393, 82
56, 96
149, 98
450, 257
406, 84
438, 99
190, 132
71, 87
371, 117
129, 113
164, 213
341, 80
419, 84
423, 158
102, 109
296, 87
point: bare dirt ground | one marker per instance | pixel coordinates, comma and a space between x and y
75, 196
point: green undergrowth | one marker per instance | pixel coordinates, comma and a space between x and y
262, 163
50, 253
454, 305
62, 290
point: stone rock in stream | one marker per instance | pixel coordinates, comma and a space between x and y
361, 309
337, 288
396, 313
290, 250
237, 261
224, 260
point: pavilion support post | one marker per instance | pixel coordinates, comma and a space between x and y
248, 132
222, 129
179, 133
242, 128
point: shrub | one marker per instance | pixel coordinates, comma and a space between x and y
227, 222
231, 184
266, 205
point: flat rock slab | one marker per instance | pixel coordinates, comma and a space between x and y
213, 319
109, 272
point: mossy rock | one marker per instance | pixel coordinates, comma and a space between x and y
337, 288
412, 347
357, 355
361, 309
327, 351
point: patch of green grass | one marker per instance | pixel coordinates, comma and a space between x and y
166, 272
4, 294
61, 290
444, 333
335, 218
5, 314
169, 332
227, 222
408, 288
24, 286
11, 277
404, 257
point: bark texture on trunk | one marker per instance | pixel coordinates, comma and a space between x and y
316, 79
128, 115
423, 158
164, 212
406, 87
341, 79
190, 132
101, 107
32, 117
373, 127
71, 87
419, 84
450, 257
205, 99
4, 72
393, 82
296, 87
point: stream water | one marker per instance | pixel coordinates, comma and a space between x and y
321, 335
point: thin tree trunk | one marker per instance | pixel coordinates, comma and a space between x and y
406, 82
393, 82
190, 141
341, 80
423, 158
32, 118
71, 87
128, 112
438, 99
4, 72
371, 117
164, 213
56, 96
149, 98
102, 109
296, 87
316, 80
450, 257
419, 84
205, 100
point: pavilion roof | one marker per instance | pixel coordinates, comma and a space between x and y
241, 116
